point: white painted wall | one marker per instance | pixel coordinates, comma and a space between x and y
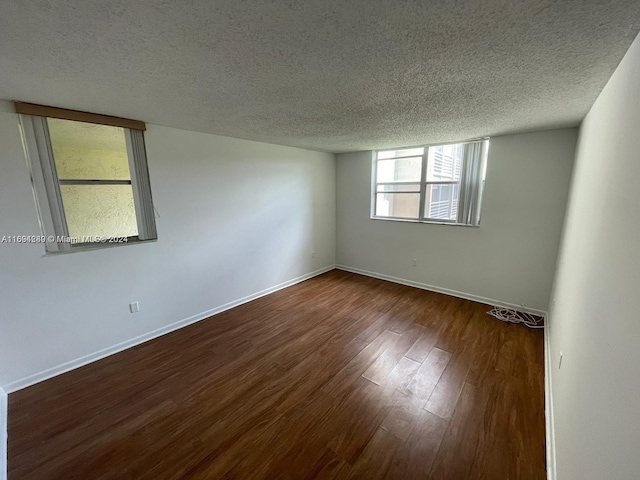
3, 433
509, 259
236, 217
595, 320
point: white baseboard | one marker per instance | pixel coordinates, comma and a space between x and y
105, 352
446, 291
548, 408
4, 406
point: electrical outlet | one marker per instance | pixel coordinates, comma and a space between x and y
134, 307
415, 262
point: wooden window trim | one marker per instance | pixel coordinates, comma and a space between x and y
64, 114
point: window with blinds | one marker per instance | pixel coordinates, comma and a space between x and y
437, 183
90, 177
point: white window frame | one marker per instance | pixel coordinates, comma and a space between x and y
423, 186
48, 197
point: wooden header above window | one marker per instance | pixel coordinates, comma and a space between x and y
64, 114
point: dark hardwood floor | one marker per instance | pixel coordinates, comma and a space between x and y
341, 376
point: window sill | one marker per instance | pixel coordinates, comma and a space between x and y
411, 220
87, 247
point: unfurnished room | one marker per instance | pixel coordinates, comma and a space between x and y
319, 239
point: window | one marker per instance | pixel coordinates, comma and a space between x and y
90, 177
438, 184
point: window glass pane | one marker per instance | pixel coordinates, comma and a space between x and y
403, 205
406, 152
399, 170
442, 201
444, 162
87, 151
99, 210
415, 187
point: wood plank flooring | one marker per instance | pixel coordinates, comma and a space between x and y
339, 377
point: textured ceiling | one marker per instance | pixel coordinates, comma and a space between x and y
320, 74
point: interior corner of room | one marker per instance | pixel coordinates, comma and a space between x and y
261, 177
